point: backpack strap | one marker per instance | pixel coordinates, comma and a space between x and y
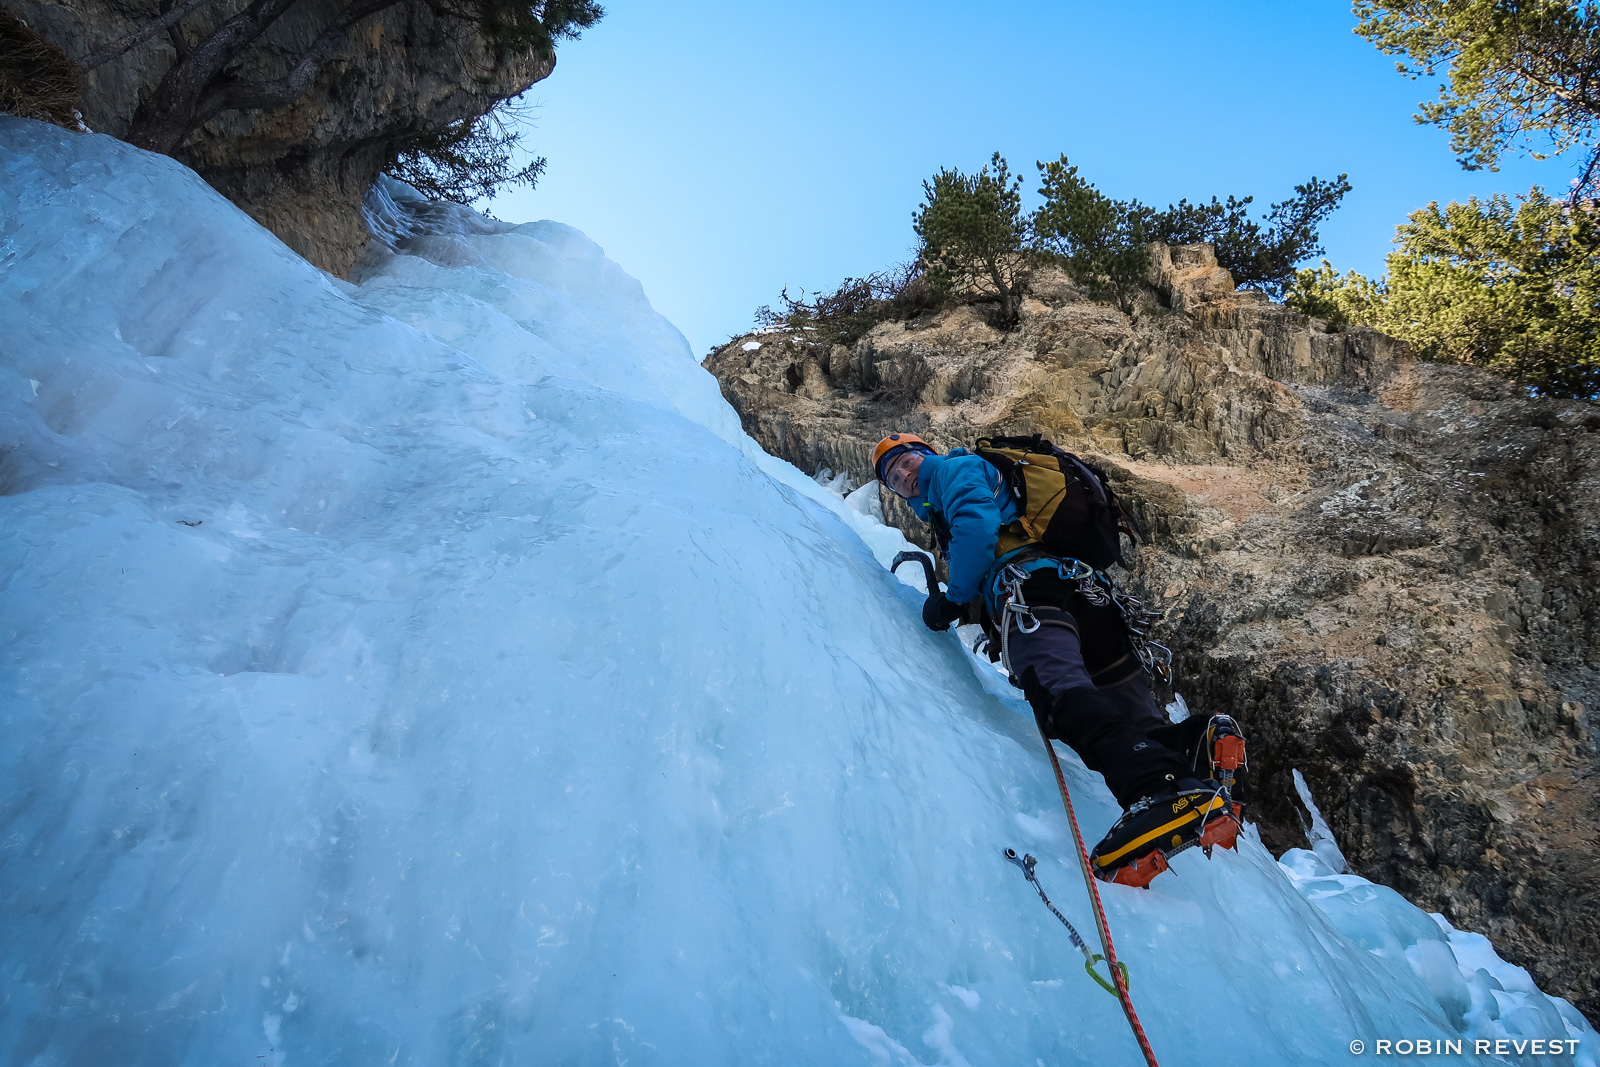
1126, 522
984, 448
1035, 444
1091, 478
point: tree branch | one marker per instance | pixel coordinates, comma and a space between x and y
95, 60
1585, 183
167, 117
180, 43
285, 90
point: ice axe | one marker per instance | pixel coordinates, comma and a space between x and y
927, 567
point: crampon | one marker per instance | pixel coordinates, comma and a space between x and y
1154, 830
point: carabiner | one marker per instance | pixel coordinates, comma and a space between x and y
1077, 570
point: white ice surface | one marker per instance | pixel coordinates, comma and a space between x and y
432, 672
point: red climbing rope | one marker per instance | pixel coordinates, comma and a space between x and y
1117, 974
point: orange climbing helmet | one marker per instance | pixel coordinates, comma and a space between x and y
892, 446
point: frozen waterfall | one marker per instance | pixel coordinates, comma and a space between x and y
431, 672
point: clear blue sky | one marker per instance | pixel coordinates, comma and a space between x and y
721, 150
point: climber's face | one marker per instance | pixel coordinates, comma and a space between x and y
901, 474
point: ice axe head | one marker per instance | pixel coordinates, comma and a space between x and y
927, 566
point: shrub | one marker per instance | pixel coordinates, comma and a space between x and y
1099, 241
975, 241
1513, 289
855, 307
468, 161
1322, 293
1260, 257
37, 80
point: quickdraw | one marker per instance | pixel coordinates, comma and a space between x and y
1155, 658
1012, 603
1027, 863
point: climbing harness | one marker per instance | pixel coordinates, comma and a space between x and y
1027, 863
1097, 589
1118, 973
1012, 603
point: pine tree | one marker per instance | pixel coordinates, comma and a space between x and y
1513, 288
1101, 242
1517, 72
972, 233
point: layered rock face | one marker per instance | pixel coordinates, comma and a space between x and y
300, 170
1385, 569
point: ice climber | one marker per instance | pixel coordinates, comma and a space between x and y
1027, 531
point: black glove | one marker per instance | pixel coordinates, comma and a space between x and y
938, 613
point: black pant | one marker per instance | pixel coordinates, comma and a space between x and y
1087, 687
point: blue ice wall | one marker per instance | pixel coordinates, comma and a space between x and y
430, 672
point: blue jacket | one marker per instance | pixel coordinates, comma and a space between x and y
969, 495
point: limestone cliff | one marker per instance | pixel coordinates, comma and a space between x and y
1384, 568
299, 170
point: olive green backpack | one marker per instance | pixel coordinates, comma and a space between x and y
1065, 505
